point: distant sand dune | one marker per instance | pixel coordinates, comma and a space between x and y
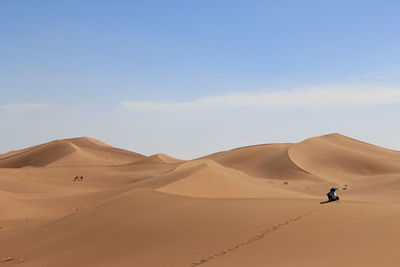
206, 178
160, 158
265, 161
69, 152
336, 155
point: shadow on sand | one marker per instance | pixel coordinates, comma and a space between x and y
328, 201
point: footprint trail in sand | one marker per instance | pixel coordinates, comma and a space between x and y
261, 235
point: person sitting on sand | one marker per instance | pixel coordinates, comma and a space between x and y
332, 194
76, 178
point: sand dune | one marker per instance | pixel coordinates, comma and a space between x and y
160, 158
336, 155
251, 206
206, 178
268, 161
68, 152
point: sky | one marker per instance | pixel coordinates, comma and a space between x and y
190, 78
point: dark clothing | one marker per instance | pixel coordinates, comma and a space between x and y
332, 196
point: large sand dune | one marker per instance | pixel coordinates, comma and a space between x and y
337, 155
69, 152
268, 161
251, 206
206, 178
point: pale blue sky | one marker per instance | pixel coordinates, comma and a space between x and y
193, 77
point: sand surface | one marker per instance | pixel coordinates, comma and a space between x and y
251, 206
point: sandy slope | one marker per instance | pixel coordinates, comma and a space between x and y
251, 206
206, 178
336, 155
160, 158
265, 161
69, 152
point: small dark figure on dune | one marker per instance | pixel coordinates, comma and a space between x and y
81, 178
332, 195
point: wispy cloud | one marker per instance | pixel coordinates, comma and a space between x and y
22, 108
311, 97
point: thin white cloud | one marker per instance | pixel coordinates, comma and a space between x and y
311, 97
22, 108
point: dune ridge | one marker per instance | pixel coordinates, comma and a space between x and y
159, 158
206, 178
335, 154
264, 161
68, 152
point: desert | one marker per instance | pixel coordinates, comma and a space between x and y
251, 206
